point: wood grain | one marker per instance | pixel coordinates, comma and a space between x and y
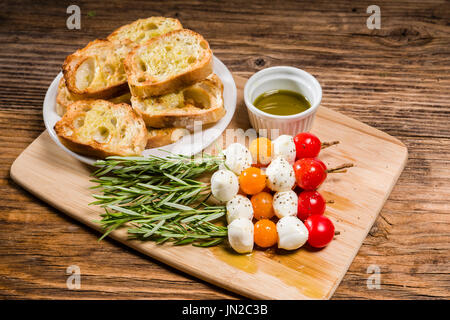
395, 79
52, 175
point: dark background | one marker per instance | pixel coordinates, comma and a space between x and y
395, 79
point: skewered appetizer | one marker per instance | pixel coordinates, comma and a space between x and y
257, 184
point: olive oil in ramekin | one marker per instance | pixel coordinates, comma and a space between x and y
282, 102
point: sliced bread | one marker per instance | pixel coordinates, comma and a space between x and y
64, 98
168, 63
96, 71
143, 30
202, 101
100, 128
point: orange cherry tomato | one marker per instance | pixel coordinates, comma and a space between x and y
252, 180
265, 233
262, 203
261, 151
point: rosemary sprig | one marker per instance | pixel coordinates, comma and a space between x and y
159, 198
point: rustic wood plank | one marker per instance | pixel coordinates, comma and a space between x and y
395, 79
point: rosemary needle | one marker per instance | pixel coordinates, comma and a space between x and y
159, 199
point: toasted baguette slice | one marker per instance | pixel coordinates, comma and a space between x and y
143, 30
168, 63
96, 71
100, 128
64, 98
202, 101
161, 137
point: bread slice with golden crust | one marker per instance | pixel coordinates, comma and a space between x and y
100, 128
161, 137
202, 101
96, 71
168, 63
143, 30
64, 98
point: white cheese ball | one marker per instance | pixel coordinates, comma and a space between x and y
239, 207
237, 158
280, 175
292, 233
224, 185
285, 203
240, 235
284, 147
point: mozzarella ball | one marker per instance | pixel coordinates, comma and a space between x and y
237, 158
280, 175
224, 185
240, 235
284, 147
285, 203
292, 233
239, 207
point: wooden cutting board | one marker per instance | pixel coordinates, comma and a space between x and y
55, 177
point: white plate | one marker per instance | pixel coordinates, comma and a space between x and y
188, 145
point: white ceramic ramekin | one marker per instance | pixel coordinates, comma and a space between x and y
282, 78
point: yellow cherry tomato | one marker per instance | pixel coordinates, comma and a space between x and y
261, 151
265, 233
252, 180
262, 203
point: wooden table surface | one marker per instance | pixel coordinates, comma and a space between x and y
396, 79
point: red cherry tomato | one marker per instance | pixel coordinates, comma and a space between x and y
321, 163
307, 145
309, 203
321, 230
309, 173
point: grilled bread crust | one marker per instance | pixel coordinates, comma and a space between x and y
100, 128
168, 63
202, 102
